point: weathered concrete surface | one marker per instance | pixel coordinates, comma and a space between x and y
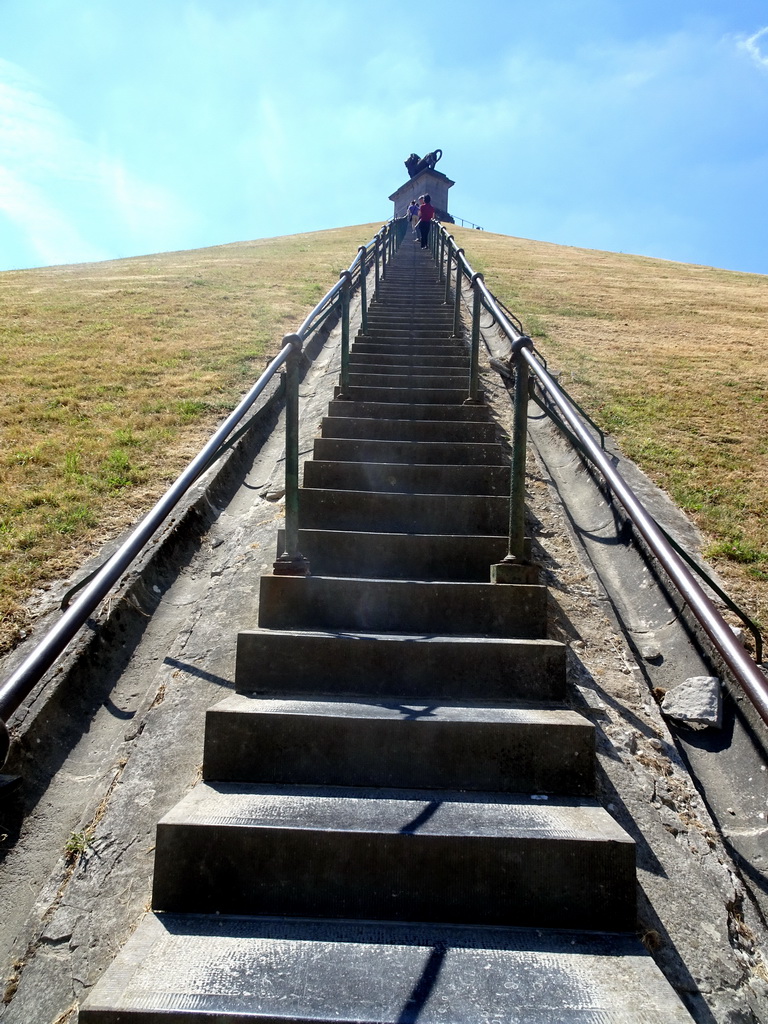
142, 747
332, 972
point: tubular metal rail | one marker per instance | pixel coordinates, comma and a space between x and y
373, 257
467, 223
451, 261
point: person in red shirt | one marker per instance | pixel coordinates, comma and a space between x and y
426, 214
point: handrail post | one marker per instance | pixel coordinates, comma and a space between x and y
441, 272
519, 447
449, 246
292, 562
457, 297
363, 292
344, 299
515, 568
376, 240
474, 356
384, 246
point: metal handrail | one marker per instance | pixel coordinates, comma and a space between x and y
734, 655
468, 223
45, 653
713, 585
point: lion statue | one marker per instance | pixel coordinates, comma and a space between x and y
415, 164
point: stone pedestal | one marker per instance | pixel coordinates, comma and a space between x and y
510, 571
431, 183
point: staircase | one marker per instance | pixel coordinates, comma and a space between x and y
396, 820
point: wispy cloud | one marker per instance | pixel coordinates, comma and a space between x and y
751, 45
49, 233
50, 178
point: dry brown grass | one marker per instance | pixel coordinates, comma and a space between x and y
114, 374
671, 359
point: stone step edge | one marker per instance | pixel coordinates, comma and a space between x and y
468, 973
382, 811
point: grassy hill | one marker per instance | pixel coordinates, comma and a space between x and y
669, 358
114, 373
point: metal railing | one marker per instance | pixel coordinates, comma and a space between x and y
375, 257
451, 261
467, 223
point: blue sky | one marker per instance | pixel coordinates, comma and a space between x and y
136, 126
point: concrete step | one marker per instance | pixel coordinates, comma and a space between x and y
438, 667
321, 508
423, 290
374, 360
427, 304
373, 428
351, 449
444, 396
405, 324
400, 367
398, 336
414, 274
387, 410
437, 322
400, 555
186, 969
437, 325
395, 854
419, 279
448, 348
402, 606
406, 320
423, 294
385, 378
402, 743
409, 479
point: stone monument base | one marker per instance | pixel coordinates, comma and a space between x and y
427, 182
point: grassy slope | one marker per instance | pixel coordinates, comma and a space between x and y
115, 372
668, 357
113, 375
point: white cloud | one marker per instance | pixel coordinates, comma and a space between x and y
69, 200
47, 231
753, 49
